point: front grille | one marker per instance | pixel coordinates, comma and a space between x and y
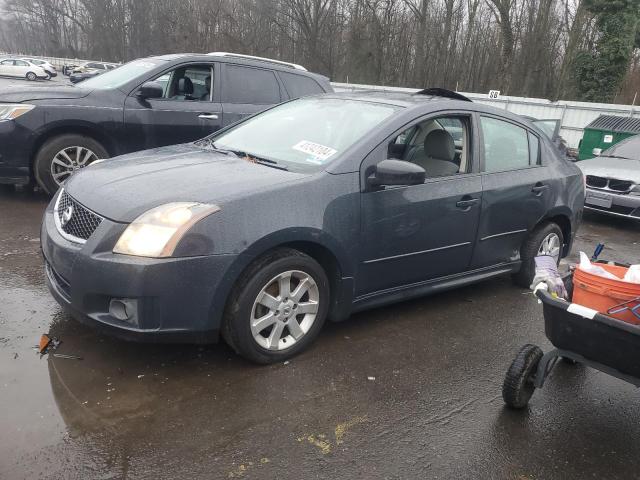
620, 185
58, 281
611, 184
596, 182
74, 221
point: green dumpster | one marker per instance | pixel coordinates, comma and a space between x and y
604, 132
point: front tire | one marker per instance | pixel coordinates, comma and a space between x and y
546, 239
61, 156
277, 307
32, 77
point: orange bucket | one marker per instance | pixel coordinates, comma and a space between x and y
601, 293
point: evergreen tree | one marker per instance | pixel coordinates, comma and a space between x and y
599, 73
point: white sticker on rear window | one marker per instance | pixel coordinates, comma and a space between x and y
319, 152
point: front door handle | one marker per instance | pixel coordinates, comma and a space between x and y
466, 203
539, 188
208, 116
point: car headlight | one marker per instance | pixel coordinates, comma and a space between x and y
635, 190
9, 111
156, 233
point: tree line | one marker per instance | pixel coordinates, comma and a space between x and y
569, 49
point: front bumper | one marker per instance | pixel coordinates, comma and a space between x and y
15, 145
617, 205
174, 300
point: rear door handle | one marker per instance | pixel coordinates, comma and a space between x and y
467, 203
539, 188
208, 116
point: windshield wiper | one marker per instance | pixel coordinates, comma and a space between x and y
250, 157
614, 156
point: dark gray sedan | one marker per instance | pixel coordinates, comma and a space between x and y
313, 209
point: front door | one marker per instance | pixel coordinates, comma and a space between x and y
517, 191
189, 109
417, 233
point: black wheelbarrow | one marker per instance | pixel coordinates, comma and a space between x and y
579, 335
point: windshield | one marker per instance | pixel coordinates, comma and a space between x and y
304, 134
629, 148
119, 76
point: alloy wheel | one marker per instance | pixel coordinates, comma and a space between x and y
68, 160
31, 76
550, 246
285, 310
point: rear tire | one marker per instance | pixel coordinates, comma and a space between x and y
518, 386
530, 249
240, 323
42, 165
32, 77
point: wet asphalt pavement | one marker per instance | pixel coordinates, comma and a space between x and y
408, 391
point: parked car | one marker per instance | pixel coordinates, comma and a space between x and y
146, 103
94, 67
613, 180
315, 208
16, 67
79, 77
68, 68
46, 66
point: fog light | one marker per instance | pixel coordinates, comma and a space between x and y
124, 309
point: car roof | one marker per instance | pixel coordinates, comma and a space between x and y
400, 99
237, 59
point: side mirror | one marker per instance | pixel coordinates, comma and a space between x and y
397, 172
150, 90
596, 152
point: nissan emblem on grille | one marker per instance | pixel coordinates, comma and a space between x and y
74, 221
66, 215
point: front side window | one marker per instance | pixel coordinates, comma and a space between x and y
191, 83
250, 85
442, 145
506, 146
20, 63
305, 134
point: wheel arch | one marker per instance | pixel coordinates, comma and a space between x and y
562, 218
314, 243
53, 131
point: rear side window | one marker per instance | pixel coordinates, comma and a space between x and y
250, 85
299, 86
534, 149
506, 146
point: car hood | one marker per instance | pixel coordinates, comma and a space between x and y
609, 167
122, 188
25, 94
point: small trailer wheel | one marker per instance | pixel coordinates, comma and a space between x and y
518, 383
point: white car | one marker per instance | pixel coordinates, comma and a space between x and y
89, 67
50, 69
16, 67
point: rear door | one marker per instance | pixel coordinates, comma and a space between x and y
517, 190
247, 90
189, 109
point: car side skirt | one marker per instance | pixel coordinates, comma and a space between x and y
429, 287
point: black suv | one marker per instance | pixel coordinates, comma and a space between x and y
47, 134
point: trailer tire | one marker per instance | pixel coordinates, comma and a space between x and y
518, 385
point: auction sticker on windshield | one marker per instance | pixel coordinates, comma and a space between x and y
320, 152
